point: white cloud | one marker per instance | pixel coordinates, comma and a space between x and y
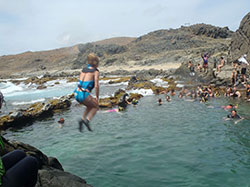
43, 24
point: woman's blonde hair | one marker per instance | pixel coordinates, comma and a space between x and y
93, 60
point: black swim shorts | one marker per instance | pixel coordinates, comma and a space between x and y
243, 71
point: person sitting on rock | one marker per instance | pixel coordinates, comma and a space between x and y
234, 73
205, 58
17, 169
191, 68
198, 67
248, 92
243, 62
222, 64
89, 79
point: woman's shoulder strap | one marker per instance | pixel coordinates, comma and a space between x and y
88, 70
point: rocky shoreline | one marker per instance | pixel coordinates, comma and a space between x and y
51, 172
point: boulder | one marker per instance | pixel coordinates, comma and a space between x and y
240, 43
35, 111
52, 177
50, 171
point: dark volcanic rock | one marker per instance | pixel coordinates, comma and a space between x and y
99, 50
50, 171
240, 43
53, 177
211, 31
35, 111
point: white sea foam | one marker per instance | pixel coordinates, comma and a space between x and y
143, 92
106, 82
105, 96
62, 83
160, 82
179, 85
28, 102
8, 87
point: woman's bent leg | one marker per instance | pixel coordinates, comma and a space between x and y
92, 107
11, 158
23, 173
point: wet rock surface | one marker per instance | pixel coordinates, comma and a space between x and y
34, 112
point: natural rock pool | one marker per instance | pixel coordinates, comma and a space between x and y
180, 143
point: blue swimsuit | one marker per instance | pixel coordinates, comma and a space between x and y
85, 88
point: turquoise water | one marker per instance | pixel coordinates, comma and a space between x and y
180, 143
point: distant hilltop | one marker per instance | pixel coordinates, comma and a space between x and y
155, 48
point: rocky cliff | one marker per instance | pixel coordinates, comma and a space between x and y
240, 43
158, 47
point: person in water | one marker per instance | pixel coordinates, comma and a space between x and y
89, 79
160, 101
235, 93
234, 115
119, 109
123, 103
172, 93
17, 169
134, 101
229, 107
168, 98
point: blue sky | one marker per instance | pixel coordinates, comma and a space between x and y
34, 25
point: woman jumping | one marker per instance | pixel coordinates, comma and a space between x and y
89, 79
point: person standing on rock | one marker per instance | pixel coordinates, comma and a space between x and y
89, 79
191, 68
222, 64
243, 62
205, 62
1, 100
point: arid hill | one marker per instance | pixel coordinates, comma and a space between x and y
155, 48
116, 41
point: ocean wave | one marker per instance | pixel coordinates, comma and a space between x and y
160, 82
28, 102
143, 92
8, 87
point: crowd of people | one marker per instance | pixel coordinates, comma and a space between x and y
239, 68
204, 93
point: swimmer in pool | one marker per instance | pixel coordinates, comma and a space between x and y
159, 101
234, 115
168, 98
